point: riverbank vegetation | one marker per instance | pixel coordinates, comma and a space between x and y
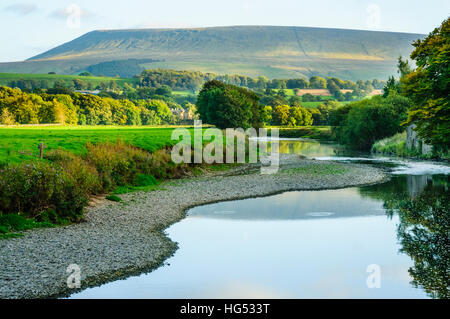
362, 123
58, 188
419, 98
428, 86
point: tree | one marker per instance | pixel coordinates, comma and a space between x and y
423, 230
403, 67
96, 109
79, 84
229, 106
391, 86
316, 82
370, 120
428, 86
161, 110
295, 101
133, 113
52, 112
323, 114
300, 116
277, 84
296, 84
268, 114
7, 118
164, 90
281, 114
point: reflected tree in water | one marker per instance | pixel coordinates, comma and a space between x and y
423, 233
422, 204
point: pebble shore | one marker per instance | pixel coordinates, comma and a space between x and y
117, 240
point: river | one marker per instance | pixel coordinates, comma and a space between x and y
359, 242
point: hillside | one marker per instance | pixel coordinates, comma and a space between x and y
283, 52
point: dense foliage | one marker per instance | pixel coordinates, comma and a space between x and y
360, 124
229, 106
429, 87
58, 189
193, 80
29, 108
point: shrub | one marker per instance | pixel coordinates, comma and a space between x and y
370, 120
58, 188
83, 174
37, 187
117, 163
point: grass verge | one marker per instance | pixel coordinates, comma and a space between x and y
12, 224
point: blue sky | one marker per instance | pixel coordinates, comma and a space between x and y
30, 27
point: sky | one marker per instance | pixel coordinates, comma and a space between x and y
30, 27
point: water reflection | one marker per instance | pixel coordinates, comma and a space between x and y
310, 148
293, 205
422, 205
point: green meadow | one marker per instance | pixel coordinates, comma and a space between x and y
21, 143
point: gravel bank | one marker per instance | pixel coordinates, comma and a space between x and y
121, 239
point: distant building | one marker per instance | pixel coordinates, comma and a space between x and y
184, 114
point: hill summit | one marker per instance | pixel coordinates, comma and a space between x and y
272, 51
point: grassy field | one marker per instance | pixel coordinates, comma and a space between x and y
21, 143
184, 93
311, 104
5, 78
288, 92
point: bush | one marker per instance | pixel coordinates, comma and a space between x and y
370, 120
35, 188
84, 175
58, 188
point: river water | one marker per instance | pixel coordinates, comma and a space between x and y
384, 241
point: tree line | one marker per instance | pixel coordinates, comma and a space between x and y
18, 107
229, 106
36, 86
193, 80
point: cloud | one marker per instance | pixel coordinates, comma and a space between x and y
22, 8
69, 11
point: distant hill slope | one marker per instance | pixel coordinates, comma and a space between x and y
249, 50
